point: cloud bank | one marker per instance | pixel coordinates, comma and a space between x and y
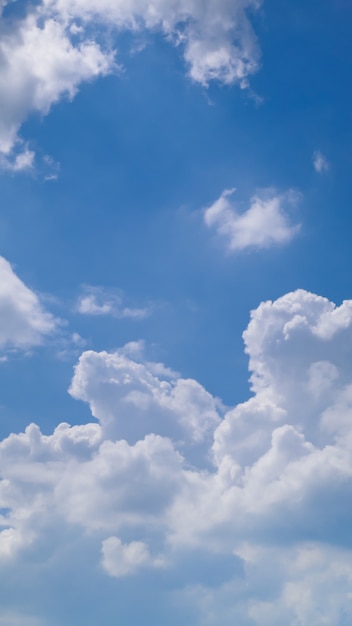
166, 471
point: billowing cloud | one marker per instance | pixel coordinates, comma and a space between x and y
40, 63
133, 398
49, 52
320, 162
23, 320
272, 493
264, 224
99, 301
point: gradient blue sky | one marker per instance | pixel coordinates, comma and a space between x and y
128, 273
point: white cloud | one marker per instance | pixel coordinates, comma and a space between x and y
47, 54
218, 40
39, 64
98, 301
20, 160
123, 559
23, 321
320, 162
277, 499
265, 223
133, 398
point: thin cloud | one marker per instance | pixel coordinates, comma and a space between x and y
99, 301
320, 163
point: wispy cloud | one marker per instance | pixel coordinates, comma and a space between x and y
99, 301
320, 162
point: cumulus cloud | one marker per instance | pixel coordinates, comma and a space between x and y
264, 224
320, 162
39, 64
49, 52
99, 301
23, 320
132, 398
276, 498
123, 559
218, 39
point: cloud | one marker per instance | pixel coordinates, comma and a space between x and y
48, 53
132, 398
99, 301
272, 488
320, 162
124, 559
24, 323
20, 160
217, 39
39, 64
266, 223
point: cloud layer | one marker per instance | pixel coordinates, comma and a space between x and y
167, 471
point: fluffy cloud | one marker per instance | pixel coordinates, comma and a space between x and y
40, 63
217, 38
124, 559
265, 223
276, 498
100, 301
132, 398
49, 52
24, 322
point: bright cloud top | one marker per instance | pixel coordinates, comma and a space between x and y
265, 223
278, 488
47, 54
99, 301
23, 321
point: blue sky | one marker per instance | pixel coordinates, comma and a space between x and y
175, 316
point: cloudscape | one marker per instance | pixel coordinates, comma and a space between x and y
175, 313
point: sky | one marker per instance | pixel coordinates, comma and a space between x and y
175, 313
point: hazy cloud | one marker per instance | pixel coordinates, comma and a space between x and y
320, 162
99, 301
